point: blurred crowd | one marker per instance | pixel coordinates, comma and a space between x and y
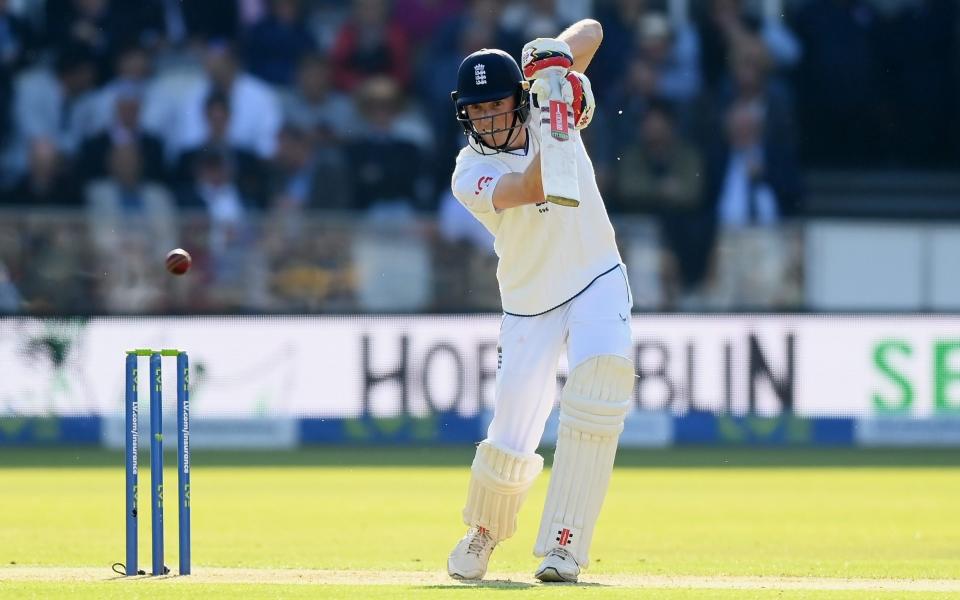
137, 111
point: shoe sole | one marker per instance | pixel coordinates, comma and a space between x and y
551, 575
460, 577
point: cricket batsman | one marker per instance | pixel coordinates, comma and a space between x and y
563, 286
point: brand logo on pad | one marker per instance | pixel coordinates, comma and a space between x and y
564, 537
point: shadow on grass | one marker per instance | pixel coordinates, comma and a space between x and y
504, 584
460, 456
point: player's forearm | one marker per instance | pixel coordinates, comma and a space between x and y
534, 180
518, 189
584, 38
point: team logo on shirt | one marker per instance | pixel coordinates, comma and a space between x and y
482, 183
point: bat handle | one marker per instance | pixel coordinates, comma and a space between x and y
554, 76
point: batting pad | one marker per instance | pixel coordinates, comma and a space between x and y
593, 405
499, 482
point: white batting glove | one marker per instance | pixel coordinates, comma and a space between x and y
542, 53
540, 92
577, 93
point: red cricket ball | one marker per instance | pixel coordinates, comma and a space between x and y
178, 261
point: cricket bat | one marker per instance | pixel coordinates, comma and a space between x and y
558, 152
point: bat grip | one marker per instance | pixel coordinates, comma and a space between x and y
555, 77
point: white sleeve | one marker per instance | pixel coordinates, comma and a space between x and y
474, 185
269, 119
782, 43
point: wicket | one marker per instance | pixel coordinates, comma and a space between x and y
156, 458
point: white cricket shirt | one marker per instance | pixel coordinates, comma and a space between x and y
548, 253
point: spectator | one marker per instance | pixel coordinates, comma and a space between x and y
324, 18
17, 42
305, 179
80, 23
629, 99
572, 11
125, 204
479, 14
369, 44
45, 105
254, 107
408, 122
274, 46
132, 223
386, 169
619, 19
533, 18
216, 191
133, 69
750, 82
661, 174
672, 54
251, 12
103, 25
125, 129
313, 104
438, 71
161, 24
420, 19
727, 24
753, 181
47, 182
246, 165
658, 171
844, 111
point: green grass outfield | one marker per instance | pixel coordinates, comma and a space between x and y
377, 523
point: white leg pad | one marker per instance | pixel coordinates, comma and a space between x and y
499, 482
593, 405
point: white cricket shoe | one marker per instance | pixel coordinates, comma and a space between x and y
468, 560
558, 566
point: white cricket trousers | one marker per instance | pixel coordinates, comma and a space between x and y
594, 323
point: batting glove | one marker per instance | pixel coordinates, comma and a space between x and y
583, 102
542, 53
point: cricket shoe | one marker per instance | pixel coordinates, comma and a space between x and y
558, 566
468, 560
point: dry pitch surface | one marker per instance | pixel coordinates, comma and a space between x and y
208, 575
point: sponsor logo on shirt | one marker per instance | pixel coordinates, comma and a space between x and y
482, 183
